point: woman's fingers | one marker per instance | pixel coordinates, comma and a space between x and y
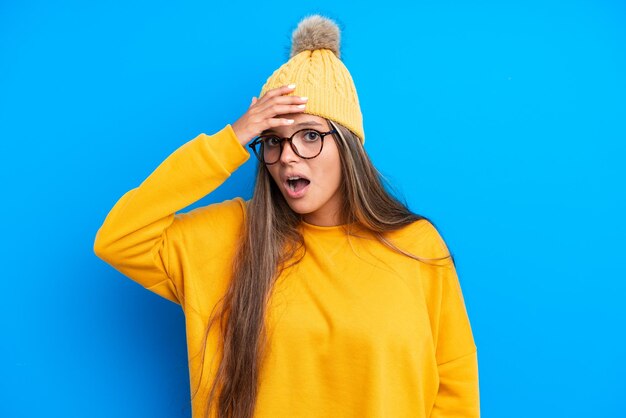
279, 94
278, 91
278, 109
280, 100
275, 122
262, 112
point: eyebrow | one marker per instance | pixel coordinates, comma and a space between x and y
309, 123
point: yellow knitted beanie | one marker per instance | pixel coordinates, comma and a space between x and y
318, 73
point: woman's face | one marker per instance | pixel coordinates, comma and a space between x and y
320, 200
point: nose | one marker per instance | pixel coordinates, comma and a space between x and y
287, 154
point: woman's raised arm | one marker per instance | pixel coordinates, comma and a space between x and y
142, 236
140, 232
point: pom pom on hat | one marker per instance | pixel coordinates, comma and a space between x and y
315, 32
318, 72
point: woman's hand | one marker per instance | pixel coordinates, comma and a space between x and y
261, 114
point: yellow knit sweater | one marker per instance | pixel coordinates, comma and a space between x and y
356, 330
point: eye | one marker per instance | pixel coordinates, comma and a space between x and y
311, 136
271, 141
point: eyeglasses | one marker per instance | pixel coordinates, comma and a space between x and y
306, 143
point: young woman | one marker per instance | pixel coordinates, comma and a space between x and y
323, 295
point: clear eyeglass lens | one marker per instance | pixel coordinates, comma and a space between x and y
308, 143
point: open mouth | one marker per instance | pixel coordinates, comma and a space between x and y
296, 184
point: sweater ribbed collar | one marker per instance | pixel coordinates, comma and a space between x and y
330, 231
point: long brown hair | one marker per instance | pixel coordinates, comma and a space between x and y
270, 238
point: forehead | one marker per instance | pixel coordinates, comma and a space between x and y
299, 123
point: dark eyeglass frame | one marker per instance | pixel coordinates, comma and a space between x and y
259, 140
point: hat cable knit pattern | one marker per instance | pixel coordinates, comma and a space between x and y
318, 72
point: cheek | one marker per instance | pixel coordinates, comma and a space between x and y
273, 172
337, 175
331, 174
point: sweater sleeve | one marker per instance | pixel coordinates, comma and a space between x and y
456, 352
142, 232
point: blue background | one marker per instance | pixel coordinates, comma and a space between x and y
501, 121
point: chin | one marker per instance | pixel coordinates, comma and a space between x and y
303, 205
300, 207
